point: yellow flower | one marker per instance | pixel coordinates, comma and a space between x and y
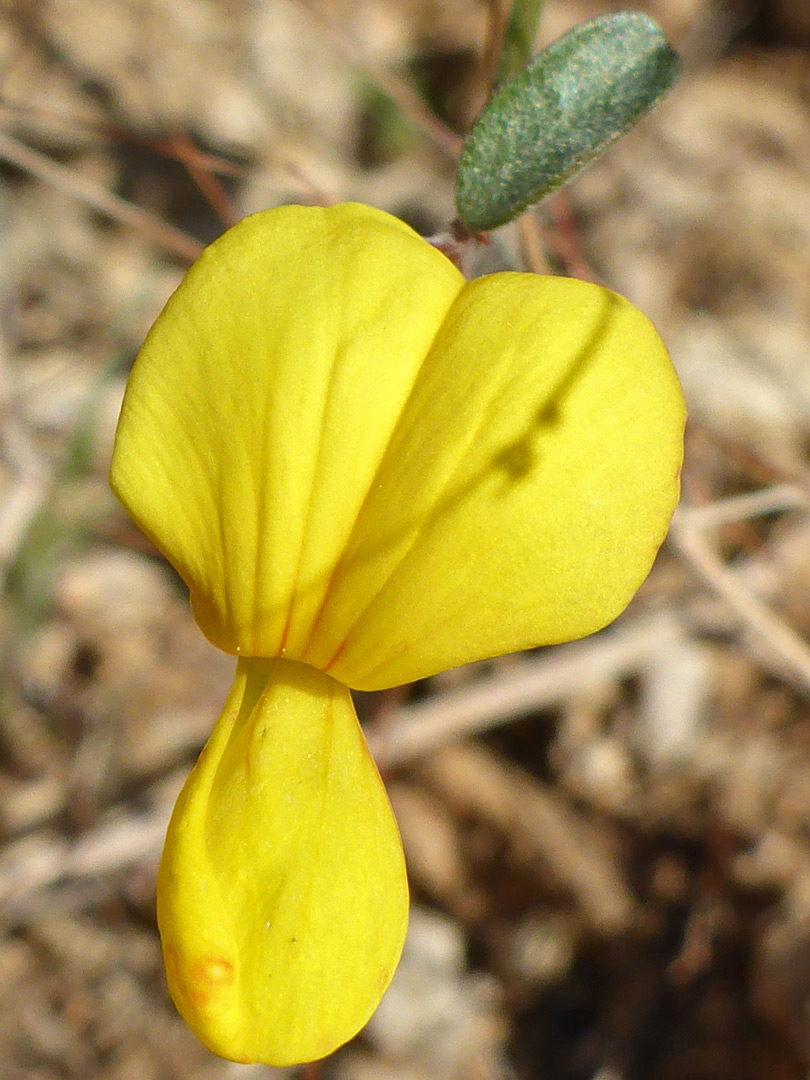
366, 470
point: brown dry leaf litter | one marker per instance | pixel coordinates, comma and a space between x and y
609, 842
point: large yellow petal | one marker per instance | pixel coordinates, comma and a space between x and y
261, 404
525, 492
357, 460
282, 897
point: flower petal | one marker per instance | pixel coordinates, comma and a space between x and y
356, 460
525, 491
282, 896
261, 404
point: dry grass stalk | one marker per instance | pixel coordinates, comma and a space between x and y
779, 647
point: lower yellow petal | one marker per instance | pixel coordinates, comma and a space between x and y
282, 896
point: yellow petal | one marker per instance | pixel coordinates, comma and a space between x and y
261, 404
356, 460
282, 897
525, 491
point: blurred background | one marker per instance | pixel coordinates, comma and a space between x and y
609, 842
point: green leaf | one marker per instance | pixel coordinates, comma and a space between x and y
546, 122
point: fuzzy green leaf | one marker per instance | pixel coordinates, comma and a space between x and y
543, 124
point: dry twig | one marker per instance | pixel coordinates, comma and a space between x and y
783, 649
531, 243
402, 95
539, 823
536, 683
73, 183
497, 22
29, 478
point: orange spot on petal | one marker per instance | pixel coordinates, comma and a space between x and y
205, 978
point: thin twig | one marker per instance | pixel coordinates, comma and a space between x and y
87, 191
531, 244
534, 816
497, 23
564, 237
42, 861
54, 123
204, 178
402, 95
784, 650
30, 480
415, 730
27, 866
741, 507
